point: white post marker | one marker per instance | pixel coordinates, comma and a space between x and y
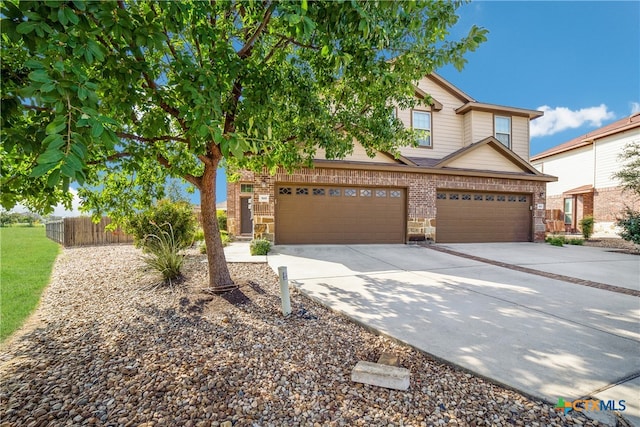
284, 291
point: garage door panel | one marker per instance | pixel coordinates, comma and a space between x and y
465, 217
332, 214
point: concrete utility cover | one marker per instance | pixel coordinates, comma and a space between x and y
548, 338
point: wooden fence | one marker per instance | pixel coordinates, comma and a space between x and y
82, 231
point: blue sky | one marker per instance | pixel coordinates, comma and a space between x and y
578, 61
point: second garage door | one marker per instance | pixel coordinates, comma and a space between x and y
466, 217
332, 214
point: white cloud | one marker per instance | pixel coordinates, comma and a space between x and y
635, 107
562, 118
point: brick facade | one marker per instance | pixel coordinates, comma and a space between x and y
604, 204
421, 195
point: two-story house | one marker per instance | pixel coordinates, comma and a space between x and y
585, 167
468, 181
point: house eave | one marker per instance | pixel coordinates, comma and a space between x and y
333, 164
492, 108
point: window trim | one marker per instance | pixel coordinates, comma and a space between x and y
430, 112
510, 134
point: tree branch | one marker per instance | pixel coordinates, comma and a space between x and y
195, 180
110, 158
151, 140
297, 43
248, 46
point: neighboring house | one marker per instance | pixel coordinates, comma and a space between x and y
585, 167
469, 181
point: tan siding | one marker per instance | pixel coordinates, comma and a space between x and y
484, 158
447, 126
359, 155
573, 169
607, 152
482, 125
520, 136
468, 122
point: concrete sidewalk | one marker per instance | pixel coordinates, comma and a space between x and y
545, 337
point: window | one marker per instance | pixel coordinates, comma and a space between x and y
568, 210
300, 191
350, 192
318, 191
365, 193
334, 192
503, 130
284, 190
381, 193
422, 124
246, 188
395, 193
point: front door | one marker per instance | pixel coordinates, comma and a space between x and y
246, 223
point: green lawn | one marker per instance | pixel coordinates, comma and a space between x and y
26, 260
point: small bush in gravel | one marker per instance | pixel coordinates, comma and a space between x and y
575, 241
163, 253
260, 247
178, 215
586, 224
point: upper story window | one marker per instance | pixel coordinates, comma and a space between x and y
246, 188
502, 127
421, 121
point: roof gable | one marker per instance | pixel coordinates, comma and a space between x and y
487, 154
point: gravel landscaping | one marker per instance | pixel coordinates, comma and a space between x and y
104, 349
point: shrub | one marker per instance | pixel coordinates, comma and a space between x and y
556, 240
586, 224
163, 253
198, 236
222, 219
260, 247
575, 241
630, 225
176, 218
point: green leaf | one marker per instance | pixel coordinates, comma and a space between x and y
97, 129
50, 156
79, 149
82, 93
56, 126
304, 6
71, 16
53, 141
74, 162
26, 27
40, 76
203, 130
48, 87
53, 179
41, 169
62, 17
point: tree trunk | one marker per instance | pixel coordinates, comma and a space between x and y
219, 278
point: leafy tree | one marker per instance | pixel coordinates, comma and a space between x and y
114, 96
629, 177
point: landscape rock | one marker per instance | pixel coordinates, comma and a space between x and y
105, 348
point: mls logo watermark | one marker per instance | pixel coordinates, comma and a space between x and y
590, 405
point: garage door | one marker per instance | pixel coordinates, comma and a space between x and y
332, 214
466, 217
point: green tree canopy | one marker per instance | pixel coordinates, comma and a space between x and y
114, 96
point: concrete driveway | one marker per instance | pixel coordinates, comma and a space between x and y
546, 337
